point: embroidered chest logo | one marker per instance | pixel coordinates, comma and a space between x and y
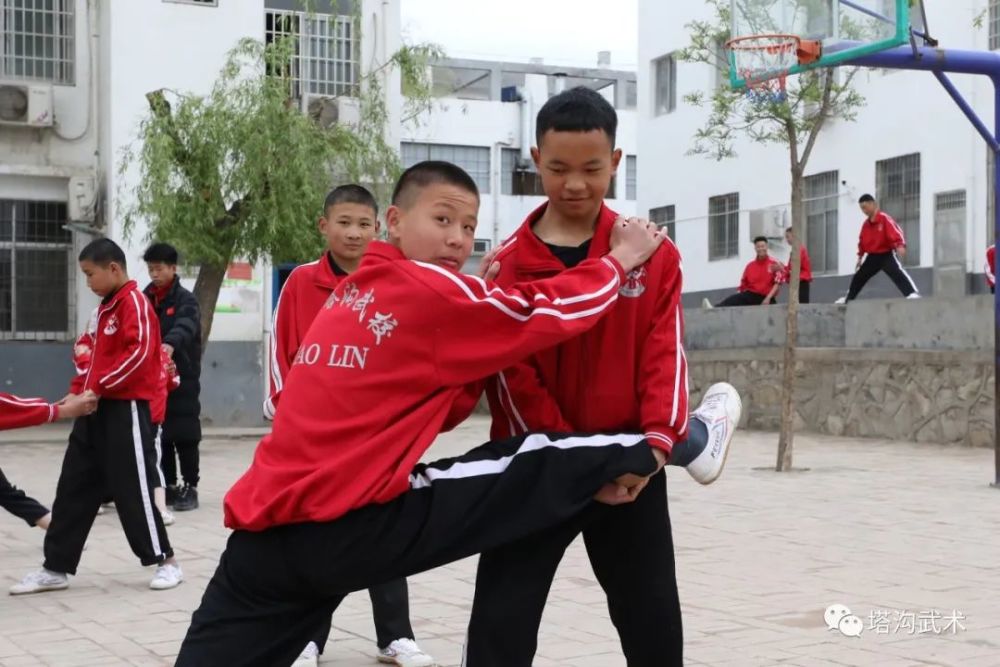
635, 283
111, 327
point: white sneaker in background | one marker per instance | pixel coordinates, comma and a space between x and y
841, 301
40, 581
168, 517
309, 656
915, 295
705, 303
167, 576
405, 653
720, 411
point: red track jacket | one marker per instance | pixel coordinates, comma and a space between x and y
627, 373
16, 412
393, 358
303, 294
991, 266
125, 357
880, 235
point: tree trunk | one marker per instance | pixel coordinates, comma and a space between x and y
791, 327
206, 290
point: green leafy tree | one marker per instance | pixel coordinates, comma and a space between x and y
812, 102
241, 172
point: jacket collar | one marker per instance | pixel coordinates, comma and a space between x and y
535, 256
120, 295
324, 275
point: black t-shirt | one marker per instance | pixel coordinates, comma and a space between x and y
569, 255
337, 271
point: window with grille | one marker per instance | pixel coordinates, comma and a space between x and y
724, 226
325, 58
822, 200
631, 177
37, 40
35, 277
898, 193
664, 216
473, 159
665, 78
994, 27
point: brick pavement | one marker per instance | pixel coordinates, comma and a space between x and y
873, 525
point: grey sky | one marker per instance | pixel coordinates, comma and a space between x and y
565, 32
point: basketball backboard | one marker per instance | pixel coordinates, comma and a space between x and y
846, 29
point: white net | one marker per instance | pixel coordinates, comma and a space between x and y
763, 58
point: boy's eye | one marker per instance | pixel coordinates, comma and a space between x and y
442, 219
470, 228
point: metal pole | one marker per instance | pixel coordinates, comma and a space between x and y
996, 297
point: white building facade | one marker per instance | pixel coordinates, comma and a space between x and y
483, 119
910, 147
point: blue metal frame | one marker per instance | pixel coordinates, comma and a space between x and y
985, 63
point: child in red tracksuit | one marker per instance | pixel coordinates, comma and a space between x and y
626, 374
881, 246
16, 412
335, 500
114, 448
349, 224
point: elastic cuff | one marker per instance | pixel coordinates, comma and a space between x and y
616, 265
661, 440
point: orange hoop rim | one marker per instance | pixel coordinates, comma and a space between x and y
740, 43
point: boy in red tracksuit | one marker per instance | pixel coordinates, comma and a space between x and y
626, 374
991, 268
761, 279
335, 500
113, 449
349, 224
16, 412
881, 246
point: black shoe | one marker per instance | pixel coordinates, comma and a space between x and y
187, 499
172, 493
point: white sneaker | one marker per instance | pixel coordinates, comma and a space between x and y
915, 295
705, 303
309, 656
167, 576
168, 517
405, 653
841, 301
40, 581
720, 411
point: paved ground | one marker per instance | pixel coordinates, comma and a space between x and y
906, 536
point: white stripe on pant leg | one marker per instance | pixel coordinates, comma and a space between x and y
159, 457
140, 465
533, 443
908, 278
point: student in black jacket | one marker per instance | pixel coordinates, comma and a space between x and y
180, 327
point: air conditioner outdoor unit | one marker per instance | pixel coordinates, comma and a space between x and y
480, 247
330, 111
26, 104
770, 222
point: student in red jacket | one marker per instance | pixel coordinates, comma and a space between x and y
991, 268
626, 374
881, 246
805, 272
349, 223
113, 449
16, 412
761, 279
335, 500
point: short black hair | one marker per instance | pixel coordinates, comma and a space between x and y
758, 239
350, 194
578, 109
102, 252
866, 198
426, 173
161, 252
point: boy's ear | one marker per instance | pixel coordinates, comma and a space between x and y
616, 158
321, 225
536, 156
392, 220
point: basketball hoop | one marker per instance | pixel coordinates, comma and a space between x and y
763, 62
